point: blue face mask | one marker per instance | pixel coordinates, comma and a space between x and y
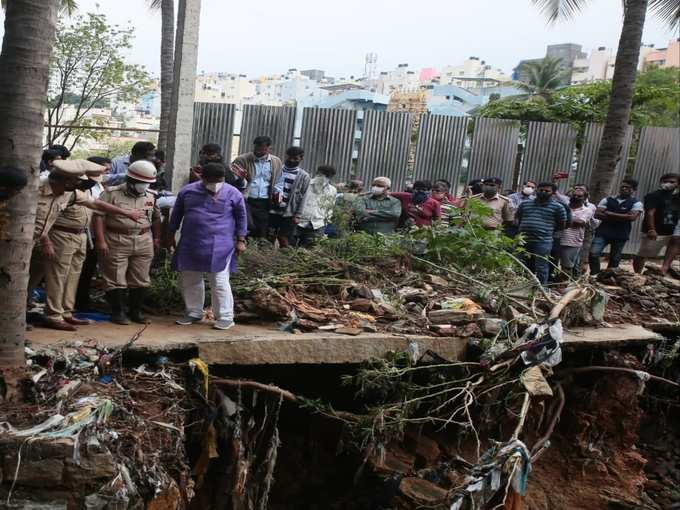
420, 196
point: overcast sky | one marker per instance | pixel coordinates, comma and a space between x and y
269, 36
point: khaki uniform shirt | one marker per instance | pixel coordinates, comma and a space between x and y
75, 216
121, 197
501, 207
50, 206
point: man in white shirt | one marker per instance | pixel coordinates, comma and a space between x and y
317, 210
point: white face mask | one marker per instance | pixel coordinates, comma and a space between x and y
668, 186
213, 186
377, 190
141, 187
528, 190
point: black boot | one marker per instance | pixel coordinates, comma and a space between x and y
135, 309
115, 299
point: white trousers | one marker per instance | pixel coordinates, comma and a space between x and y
193, 292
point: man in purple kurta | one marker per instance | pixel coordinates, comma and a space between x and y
214, 224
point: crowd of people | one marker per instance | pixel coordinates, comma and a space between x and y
114, 216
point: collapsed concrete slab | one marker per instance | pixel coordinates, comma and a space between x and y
315, 348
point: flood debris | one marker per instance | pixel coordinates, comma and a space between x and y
113, 437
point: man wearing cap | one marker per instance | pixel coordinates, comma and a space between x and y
127, 247
60, 237
378, 213
501, 207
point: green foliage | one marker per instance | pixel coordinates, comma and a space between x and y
88, 70
468, 245
361, 247
544, 76
164, 296
656, 102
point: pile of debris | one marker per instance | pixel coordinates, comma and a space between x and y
95, 435
641, 298
400, 292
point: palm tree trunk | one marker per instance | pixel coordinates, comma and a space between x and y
24, 69
183, 91
167, 65
621, 100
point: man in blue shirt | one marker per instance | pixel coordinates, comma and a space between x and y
140, 151
538, 220
261, 169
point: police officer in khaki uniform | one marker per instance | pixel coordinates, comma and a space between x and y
127, 248
501, 207
58, 239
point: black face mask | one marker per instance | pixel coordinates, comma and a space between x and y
291, 165
542, 196
85, 185
420, 196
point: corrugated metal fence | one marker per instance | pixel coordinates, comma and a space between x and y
494, 149
592, 137
385, 140
549, 149
440, 149
328, 138
276, 122
658, 154
329, 135
213, 123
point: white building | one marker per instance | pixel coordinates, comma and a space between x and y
224, 88
401, 79
594, 67
290, 88
473, 73
599, 65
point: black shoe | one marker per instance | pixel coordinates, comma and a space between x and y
135, 309
116, 300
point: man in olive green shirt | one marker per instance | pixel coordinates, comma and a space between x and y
378, 213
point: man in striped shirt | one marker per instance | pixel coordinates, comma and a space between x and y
288, 198
538, 220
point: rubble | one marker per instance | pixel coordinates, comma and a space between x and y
107, 435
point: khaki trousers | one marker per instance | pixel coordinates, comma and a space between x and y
62, 273
128, 262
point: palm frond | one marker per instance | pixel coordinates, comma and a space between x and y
668, 11
556, 10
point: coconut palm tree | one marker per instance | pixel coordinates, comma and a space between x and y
30, 27
167, 8
544, 77
623, 81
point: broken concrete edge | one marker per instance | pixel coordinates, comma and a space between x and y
332, 348
329, 348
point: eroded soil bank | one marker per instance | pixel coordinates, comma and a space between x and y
616, 444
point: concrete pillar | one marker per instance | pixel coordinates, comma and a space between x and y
182, 112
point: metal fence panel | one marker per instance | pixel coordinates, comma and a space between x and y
385, 140
213, 123
658, 153
440, 148
276, 122
494, 149
549, 149
592, 138
328, 138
